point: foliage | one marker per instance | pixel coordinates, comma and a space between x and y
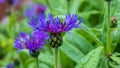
82, 48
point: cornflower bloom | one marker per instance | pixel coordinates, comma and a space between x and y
54, 26
33, 42
34, 10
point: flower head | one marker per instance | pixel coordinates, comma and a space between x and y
33, 42
34, 10
54, 25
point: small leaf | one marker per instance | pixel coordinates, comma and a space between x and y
116, 59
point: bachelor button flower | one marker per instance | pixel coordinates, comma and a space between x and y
35, 9
54, 26
11, 2
33, 42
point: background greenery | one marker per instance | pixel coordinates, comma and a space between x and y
82, 47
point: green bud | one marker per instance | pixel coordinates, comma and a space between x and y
55, 40
113, 22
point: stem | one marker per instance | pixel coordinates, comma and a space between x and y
37, 62
68, 5
109, 31
56, 53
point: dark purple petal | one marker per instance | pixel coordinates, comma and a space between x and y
35, 41
23, 35
55, 25
50, 17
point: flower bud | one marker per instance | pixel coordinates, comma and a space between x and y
113, 22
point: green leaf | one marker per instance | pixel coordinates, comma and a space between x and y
87, 33
114, 7
64, 63
28, 62
71, 51
91, 60
116, 59
46, 59
75, 5
115, 38
103, 62
76, 45
79, 42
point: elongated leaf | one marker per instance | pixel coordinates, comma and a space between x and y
71, 51
75, 46
88, 34
116, 59
75, 5
91, 60
79, 42
64, 61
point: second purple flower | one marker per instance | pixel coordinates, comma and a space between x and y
32, 42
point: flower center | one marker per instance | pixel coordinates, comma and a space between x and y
55, 40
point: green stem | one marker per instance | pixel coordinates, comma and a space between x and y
37, 62
108, 30
56, 53
68, 5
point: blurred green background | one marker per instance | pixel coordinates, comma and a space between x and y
76, 45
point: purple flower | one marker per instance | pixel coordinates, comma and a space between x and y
54, 25
12, 2
34, 10
10, 65
33, 42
